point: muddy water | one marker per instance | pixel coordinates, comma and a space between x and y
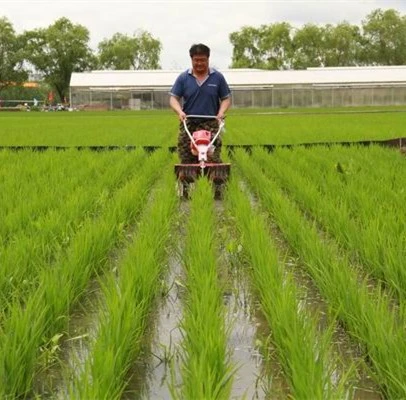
246, 356
257, 374
74, 349
242, 319
166, 338
161, 366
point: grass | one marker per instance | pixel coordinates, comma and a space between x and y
159, 128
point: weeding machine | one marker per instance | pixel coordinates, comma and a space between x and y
202, 147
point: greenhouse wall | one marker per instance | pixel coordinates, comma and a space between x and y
276, 97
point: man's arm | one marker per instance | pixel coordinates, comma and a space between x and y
174, 103
224, 106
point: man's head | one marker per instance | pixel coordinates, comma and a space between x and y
200, 53
199, 49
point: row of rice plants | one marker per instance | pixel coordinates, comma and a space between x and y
374, 233
29, 178
159, 127
52, 176
36, 247
304, 353
32, 326
144, 128
375, 169
301, 126
128, 302
365, 312
205, 368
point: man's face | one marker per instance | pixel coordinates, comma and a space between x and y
200, 63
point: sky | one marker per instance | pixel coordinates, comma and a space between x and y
180, 23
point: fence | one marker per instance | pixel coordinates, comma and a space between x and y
294, 97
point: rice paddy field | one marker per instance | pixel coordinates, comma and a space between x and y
293, 286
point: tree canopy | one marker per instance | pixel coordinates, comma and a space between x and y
11, 57
381, 40
57, 51
384, 38
140, 51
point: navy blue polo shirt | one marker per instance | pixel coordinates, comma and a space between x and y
204, 98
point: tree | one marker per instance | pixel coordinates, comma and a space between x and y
57, 51
246, 50
342, 45
385, 38
276, 45
308, 47
140, 51
11, 58
267, 47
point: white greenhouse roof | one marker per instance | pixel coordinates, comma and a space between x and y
160, 79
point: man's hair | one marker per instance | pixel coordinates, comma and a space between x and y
199, 48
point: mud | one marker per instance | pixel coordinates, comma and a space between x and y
166, 338
258, 375
73, 347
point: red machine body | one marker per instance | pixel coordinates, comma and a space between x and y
202, 146
201, 137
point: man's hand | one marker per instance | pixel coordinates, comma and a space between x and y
224, 106
220, 116
181, 115
174, 102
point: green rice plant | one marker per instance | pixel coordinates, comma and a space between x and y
159, 128
374, 235
311, 127
128, 302
373, 170
156, 128
205, 368
26, 251
62, 286
305, 354
366, 312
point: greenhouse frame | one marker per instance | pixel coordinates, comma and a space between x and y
251, 88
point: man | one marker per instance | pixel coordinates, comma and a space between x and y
199, 91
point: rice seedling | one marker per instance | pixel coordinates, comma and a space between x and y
158, 128
128, 302
89, 129
25, 251
205, 369
364, 311
305, 353
374, 235
62, 285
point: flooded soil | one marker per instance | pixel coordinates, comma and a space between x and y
167, 337
258, 375
311, 300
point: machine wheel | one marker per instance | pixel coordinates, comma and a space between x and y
184, 189
218, 190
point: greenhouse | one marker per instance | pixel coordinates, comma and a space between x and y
253, 88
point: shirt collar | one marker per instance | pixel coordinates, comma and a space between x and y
211, 70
